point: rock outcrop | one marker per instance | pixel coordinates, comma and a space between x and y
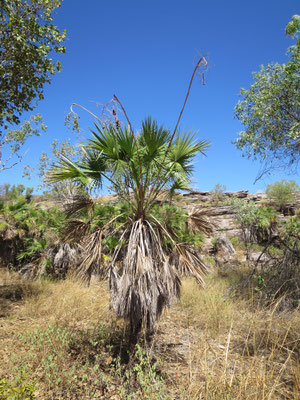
223, 219
223, 216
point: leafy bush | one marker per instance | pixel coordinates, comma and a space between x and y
237, 243
146, 378
281, 276
278, 279
281, 193
9, 192
257, 223
218, 192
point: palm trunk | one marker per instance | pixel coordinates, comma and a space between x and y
148, 282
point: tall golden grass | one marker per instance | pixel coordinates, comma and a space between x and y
234, 351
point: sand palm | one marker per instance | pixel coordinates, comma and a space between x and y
139, 167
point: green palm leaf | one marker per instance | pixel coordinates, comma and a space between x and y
81, 174
105, 141
184, 150
153, 137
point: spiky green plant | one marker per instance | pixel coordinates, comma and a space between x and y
28, 231
139, 166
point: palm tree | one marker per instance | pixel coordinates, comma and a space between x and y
143, 274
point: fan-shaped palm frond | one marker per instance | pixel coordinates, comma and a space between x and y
88, 174
198, 220
153, 138
105, 141
185, 148
66, 169
94, 167
181, 183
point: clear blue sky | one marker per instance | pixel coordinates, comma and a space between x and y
145, 53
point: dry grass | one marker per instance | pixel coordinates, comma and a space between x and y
63, 339
231, 352
52, 335
67, 301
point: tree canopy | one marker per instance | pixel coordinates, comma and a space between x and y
270, 110
27, 37
13, 140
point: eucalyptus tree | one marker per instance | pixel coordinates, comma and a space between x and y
270, 110
29, 39
139, 167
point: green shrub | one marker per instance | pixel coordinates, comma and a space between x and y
257, 223
218, 193
148, 382
278, 279
281, 193
291, 232
33, 230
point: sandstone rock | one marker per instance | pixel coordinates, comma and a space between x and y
220, 210
258, 257
224, 248
240, 194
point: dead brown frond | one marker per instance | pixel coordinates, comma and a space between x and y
187, 261
65, 256
10, 239
32, 270
8, 233
78, 203
57, 260
93, 261
198, 220
76, 230
184, 256
148, 282
52, 237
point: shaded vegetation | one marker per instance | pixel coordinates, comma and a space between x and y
274, 275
